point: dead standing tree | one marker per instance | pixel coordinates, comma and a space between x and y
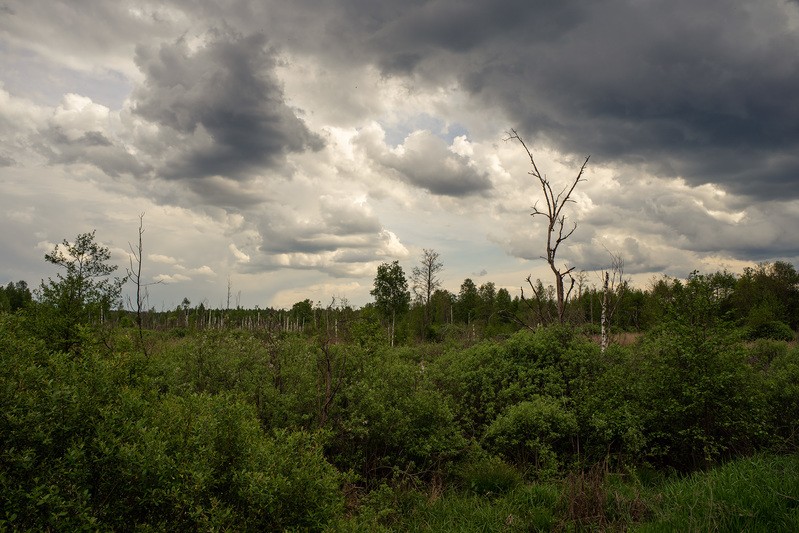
556, 222
134, 274
613, 287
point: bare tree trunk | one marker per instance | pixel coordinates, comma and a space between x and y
425, 281
605, 327
141, 288
612, 282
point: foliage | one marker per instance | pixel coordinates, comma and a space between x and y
395, 423
83, 293
700, 400
768, 292
488, 475
483, 381
531, 433
391, 289
15, 296
609, 409
308, 420
391, 294
782, 393
772, 329
90, 443
757, 494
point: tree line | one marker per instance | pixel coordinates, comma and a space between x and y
763, 301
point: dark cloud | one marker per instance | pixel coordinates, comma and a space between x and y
225, 98
335, 227
705, 91
426, 161
91, 147
461, 27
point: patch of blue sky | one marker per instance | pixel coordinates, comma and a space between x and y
26, 74
397, 132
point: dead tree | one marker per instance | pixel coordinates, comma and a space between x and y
425, 281
556, 224
612, 284
332, 364
134, 274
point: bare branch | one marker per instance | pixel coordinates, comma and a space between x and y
555, 221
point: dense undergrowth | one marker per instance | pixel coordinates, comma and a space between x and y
692, 428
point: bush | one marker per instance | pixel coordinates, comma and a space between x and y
532, 433
394, 422
87, 442
782, 386
763, 351
699, 399
489, 476
483, 381
773, 329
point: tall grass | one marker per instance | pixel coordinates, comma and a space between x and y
756, 494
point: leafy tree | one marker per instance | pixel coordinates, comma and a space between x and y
488, 295
14, 296
767, 293
391, 293
302, 312
468, 301
83, 292
442, 303
504, 305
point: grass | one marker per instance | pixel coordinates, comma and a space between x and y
755, 494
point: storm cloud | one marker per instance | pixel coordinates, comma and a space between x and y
223, 102
297, 143
703, 91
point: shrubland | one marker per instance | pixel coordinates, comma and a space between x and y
345, 424
256, 430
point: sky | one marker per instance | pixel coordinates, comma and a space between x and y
285, 149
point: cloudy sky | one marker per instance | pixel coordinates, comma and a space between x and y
290, 147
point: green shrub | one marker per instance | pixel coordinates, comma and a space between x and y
772, 329
394, 422
763, 351
699, 399
483, 381
489, 476
782, 390
94, 441
532, 433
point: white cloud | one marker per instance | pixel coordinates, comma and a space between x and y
171, 278
240, 256
204, 270
159, 258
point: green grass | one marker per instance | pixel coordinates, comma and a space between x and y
756, 494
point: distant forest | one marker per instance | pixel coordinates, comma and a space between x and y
762, 301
